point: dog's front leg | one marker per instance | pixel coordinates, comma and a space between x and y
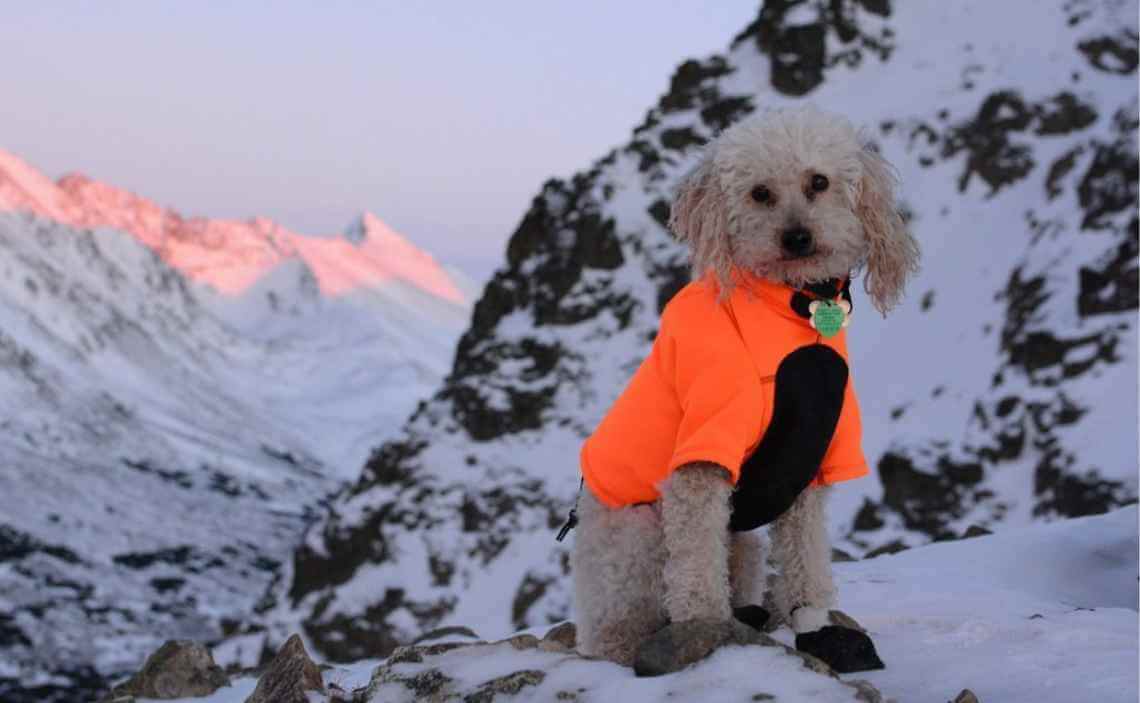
697, 598
805, 591
694, 514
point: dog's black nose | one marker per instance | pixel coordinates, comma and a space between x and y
797, 241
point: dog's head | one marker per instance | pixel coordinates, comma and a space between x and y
795, 196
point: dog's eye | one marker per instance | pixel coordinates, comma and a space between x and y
819, 182
760, 194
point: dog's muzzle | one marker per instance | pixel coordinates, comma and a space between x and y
798, 242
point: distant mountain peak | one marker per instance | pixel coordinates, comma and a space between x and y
363, 226
228, 255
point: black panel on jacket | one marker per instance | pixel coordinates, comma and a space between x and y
810, 384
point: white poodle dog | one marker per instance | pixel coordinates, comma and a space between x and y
742, 415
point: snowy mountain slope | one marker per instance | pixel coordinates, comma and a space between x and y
1039, 613
1001, 392
131, 460
367, 295
164, 442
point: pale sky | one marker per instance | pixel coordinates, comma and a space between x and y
443, 118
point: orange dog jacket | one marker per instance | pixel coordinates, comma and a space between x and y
705, 393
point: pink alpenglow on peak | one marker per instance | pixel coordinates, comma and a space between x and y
227, 255
24, 189
400, 258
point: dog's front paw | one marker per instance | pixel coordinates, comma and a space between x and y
844, 649
680, 644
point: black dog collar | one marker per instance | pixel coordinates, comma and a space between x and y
824, 290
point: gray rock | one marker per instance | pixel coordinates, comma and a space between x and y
866, 692
410, 654
177, 669
842, 619
508, 685
680, 644
415, 653
521, 641
440, 633
289, 677
565, 634
966, 696
426, 685
892, 547
552, 646
840, 555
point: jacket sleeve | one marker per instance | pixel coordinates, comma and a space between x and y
722, 413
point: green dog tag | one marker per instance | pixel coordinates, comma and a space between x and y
827, 317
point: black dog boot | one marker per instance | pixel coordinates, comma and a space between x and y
835, 638
754, 616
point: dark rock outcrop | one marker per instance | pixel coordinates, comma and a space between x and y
290, 676
178, 669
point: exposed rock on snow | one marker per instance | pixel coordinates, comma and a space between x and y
291, 676
565, 634
446, 632
179, 669
681, 644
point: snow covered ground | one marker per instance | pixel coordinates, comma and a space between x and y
1031, 615
1042, 613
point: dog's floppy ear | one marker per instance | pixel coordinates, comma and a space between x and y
892, 250
698, 219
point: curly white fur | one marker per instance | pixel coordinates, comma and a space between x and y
747, 568
617, 566
694, 511
801, 546
854, 220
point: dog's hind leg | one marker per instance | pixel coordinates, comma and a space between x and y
617, 566
746, 568
806, 591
